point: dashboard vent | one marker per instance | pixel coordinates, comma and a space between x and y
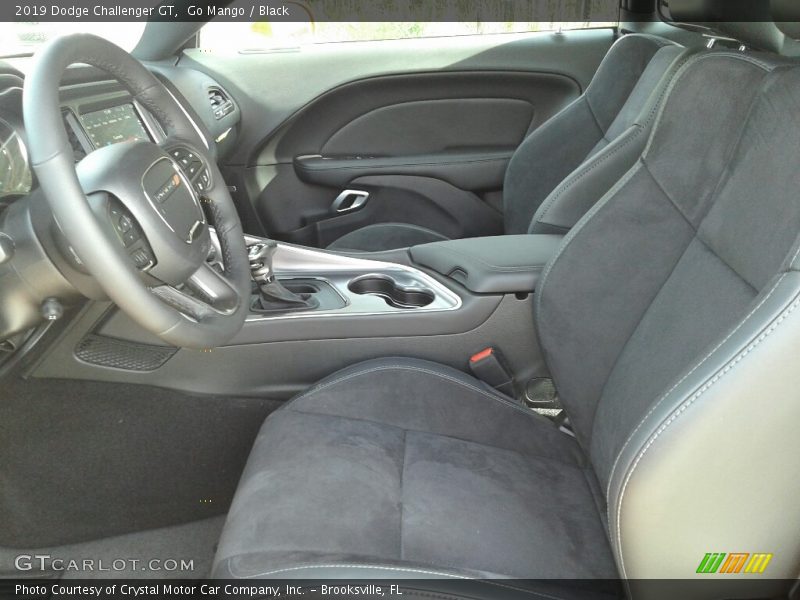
221, 103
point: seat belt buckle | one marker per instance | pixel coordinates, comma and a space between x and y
490, 366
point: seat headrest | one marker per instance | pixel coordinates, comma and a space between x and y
786, 14
748, 21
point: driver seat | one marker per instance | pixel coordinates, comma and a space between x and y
669, 322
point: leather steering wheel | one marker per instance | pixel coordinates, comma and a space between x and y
176, 295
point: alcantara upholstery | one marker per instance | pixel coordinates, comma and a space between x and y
399, 462
669, 322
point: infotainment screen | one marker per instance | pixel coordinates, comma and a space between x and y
113, 125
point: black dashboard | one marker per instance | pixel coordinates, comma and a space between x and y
94, 115
98, 112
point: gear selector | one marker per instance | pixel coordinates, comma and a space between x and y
271, 294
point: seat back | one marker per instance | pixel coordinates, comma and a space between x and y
616, 153
607, 108
668, 319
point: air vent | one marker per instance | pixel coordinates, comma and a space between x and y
221, 104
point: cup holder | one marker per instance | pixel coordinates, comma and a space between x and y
391, 292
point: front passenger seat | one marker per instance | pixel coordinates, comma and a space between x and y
594, 141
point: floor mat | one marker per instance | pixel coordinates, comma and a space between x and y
85, 460
181, 551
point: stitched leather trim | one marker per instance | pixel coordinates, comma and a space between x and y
684, 378
603, 156
395, 569
708, 384
489, 266
485, 393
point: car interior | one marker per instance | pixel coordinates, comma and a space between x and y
503, 308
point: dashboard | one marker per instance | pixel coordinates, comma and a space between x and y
94, 116
98, 112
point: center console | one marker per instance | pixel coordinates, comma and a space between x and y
326, 310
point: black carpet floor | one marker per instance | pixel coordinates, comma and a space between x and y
181, 551
83, 461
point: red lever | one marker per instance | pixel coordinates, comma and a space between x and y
486, 353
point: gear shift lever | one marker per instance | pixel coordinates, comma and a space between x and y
260, 257
272, 295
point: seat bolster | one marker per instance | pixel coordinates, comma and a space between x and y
316, 565
618, 75
694, 433
387, 391
424, 581
582, 188
386, 236
560, 145
573, 198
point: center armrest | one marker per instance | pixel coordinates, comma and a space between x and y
490, 265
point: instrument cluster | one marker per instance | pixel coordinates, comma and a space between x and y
15, 172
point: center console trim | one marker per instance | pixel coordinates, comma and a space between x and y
293, 262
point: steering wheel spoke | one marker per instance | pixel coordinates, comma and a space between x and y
214, 288
205, 293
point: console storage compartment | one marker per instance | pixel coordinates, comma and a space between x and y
490, 265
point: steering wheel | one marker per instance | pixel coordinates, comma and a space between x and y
131, 214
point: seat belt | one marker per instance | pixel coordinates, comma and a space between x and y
490, 366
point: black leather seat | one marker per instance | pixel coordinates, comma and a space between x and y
669, 323
555, 175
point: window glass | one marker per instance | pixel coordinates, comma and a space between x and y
336, 24
24, 38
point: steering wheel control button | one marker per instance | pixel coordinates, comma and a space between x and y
141, 258
131, 235
124, 224
203, 182
192, 166
130, 238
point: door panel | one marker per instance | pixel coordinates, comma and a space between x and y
427, 134
423, 201
427, 126
474, 170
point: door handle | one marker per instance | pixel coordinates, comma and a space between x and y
349, 200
